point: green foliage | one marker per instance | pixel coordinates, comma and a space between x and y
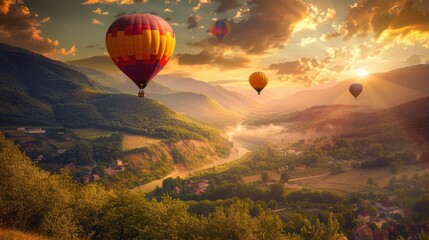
34, 200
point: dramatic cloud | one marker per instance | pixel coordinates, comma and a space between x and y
401, 21
19, 27
269, 24
193, 21
221, 60
195, 59
295, 67
226, 5
101, 12
96, 22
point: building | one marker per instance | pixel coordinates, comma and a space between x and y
363, 233
36, 131
21, 129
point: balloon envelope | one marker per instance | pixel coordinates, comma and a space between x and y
140, 45
355, 89
220, 29
258, 81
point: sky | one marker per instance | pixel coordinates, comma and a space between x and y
295, 42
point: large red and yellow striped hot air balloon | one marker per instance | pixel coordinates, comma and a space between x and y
258, 80
140, 45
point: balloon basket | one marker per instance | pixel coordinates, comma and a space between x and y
141, 94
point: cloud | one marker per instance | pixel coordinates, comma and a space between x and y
295, 67
193, 21
226, 5
218, 59
19, 27
399, 21
96, 22
414, 59
119, 2
199, 5
269, 24
306, 41
100, 12
168, 10
72, 51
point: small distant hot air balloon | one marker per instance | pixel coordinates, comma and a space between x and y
355, 89
258, 81
220, 29
140, 45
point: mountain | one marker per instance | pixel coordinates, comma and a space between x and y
218, 106
38, 91
100, 63
119, 81
198, 106
379, 90
228, 99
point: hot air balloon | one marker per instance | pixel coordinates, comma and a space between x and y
258, 81
220, 29
140, 45
355, 89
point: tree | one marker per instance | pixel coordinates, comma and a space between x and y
372, 182
265, 177
284, 177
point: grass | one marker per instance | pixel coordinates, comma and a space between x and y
355, 180
91, 133
8, 234
131, 142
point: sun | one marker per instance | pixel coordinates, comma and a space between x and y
362, 72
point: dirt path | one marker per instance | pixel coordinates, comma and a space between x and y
238, 152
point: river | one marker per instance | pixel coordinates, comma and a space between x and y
237, 152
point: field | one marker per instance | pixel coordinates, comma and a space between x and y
91, 133
355, 180
134, 141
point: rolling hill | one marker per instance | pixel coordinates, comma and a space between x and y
38, 91
381, 90
198, 106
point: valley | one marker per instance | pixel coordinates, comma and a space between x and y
206, 148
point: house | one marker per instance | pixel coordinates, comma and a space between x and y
36, 131
119, 163
363, 233
95, 177
201, 187
39, 158
86, 179
381, 235
177, 190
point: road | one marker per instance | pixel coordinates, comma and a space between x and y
238, 152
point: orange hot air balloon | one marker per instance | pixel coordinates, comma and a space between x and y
258, 81
140, 45
355, 89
